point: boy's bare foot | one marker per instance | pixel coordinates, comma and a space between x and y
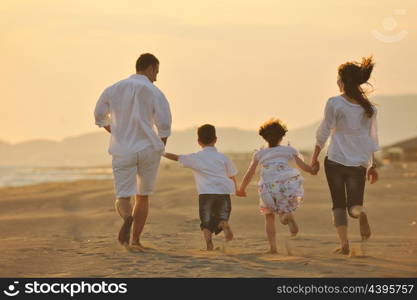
124, 233
344, 249
364, 226
210, 245
228, 234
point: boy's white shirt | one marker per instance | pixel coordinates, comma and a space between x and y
212, 171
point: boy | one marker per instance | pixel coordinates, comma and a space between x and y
214, 174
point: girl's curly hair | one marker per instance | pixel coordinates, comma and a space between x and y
272, 131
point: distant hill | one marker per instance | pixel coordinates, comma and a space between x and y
397, 121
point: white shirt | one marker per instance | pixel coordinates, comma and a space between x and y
212, 171
354, 135
132, 107
274, 162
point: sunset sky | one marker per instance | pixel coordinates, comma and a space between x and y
230, 63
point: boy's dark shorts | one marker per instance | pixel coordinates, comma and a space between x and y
213, 209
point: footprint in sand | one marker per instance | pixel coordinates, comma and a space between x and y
357, 253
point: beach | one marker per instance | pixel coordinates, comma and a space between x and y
70, 230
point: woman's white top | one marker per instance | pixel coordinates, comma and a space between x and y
354, 135
274, 162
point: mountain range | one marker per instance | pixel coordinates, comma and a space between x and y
397, 121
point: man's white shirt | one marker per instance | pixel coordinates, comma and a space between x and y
133, 107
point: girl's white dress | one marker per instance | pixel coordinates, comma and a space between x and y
280, 186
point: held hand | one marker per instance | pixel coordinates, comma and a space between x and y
372, 175
314, 160
241, 193
315, 167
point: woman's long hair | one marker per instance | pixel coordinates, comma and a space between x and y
353, 75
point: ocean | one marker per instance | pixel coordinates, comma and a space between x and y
20, 176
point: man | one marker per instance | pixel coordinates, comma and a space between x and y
128, 110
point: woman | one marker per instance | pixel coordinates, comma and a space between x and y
350, 119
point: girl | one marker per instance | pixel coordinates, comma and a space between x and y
280, 186
350, 119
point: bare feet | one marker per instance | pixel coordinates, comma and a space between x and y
364, 226
136, 248
210, 245
292, 225
124, 233
228, 234
344, 249
283, 218
272, 251
139, 244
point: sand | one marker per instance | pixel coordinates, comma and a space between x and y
70, 230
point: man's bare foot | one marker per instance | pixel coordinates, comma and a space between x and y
210, 245
292, 225
124, 233
228, 234
344, 249
138, 245
272, 251
136, 248
364, 226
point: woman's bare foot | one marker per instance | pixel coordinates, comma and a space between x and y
343, 249
364, 226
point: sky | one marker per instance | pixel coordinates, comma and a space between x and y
230, 63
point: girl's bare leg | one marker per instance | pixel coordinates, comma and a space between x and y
283, 218
292, 225
288, 219
270, 232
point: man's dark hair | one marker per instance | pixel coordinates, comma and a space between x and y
206, 134
146, 60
